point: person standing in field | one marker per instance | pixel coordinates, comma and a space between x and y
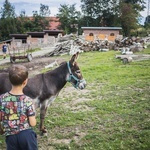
17, 113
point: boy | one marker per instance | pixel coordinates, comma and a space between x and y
4, 50
17, 114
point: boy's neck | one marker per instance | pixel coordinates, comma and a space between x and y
16, 90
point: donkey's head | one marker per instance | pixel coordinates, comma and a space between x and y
75, 76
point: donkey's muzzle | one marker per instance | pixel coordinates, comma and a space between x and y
82, 84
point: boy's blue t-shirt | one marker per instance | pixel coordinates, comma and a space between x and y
4, 48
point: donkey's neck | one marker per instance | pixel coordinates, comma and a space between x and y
58, 76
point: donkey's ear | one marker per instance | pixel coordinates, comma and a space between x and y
74, 58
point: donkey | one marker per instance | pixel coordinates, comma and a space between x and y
44, 88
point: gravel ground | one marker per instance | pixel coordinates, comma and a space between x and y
43, 51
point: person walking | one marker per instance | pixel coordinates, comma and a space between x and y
4, 50
17, 113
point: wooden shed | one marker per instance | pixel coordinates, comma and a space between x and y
35, 39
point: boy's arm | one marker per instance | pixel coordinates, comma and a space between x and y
31, 113
1, 129
32, 121
0, 116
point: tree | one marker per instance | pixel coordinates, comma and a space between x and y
10, 23
138, 5
128, 18
130, 14
7, 20
100, 12
24, 23
69, 17
40, 20
113, 13
44, 10
7, 11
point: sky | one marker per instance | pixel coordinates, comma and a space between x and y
34, 5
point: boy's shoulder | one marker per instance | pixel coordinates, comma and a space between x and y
4, 95
27, 99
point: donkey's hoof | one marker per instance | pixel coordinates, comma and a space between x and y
43, 134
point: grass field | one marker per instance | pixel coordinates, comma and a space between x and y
112, 113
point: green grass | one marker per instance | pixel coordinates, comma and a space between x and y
113, 113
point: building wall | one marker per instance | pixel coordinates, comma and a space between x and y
100, 34
106, 32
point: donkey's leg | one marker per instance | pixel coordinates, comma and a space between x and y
43, 110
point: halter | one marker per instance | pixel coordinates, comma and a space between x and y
74, 77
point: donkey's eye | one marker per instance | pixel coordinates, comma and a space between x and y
77, 72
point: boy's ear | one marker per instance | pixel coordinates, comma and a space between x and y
25, 82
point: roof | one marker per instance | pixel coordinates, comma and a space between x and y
101, 28
19, 36
5, 41
36, 34
54, 23
53, 31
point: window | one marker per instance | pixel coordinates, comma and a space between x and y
112, 34
91, 34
